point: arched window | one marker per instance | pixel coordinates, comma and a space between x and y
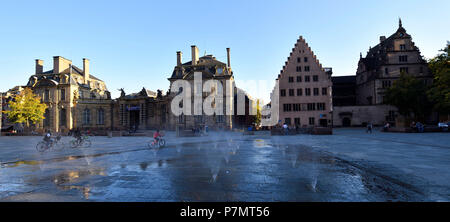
86, 117
100, 116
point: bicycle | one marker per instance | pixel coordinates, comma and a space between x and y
83, 142
156, 145
55, 143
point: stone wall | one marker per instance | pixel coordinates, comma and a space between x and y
360, 115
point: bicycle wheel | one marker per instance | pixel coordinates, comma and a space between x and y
74, 144
58, 145
41, 147
87, 143
162, 142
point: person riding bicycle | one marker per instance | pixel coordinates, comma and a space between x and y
77, 135
47, 137
156, 136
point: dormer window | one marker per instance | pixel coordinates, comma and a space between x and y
220, 70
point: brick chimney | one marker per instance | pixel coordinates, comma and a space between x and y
179, 58
86, 70
194, 51
39, 66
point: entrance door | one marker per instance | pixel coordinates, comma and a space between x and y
346, 122
134, 119
323, 122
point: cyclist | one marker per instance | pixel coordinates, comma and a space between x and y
47, 137
156, 136
77, 135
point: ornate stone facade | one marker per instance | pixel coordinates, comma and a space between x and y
209, 68
75, 98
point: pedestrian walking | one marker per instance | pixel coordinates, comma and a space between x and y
286, 129
369, 127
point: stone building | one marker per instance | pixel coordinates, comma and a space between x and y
376, 72
209, 68
143, 110
384, 63
75, 98
305, 89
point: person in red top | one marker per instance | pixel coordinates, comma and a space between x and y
156, 136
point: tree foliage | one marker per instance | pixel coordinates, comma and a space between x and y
439, 93
26, 108
258, 113
408, 94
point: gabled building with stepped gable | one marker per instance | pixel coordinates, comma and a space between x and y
304, 89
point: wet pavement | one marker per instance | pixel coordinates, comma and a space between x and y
347, 166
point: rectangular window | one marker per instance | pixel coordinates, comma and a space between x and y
287, 121
299, 59
100, 116
307, 92
320, 106
299, 92
86, 117
324, 91
46, 95
297, 121
386, 71
305, 59
296, 107
62, 117
306, 68
386, 84
291, 92
403, 58
311, 106
299, 68
282, 92
311, 121
299, 78
307, 79
421, 70
315, 78
404, 70
316, 91
402, 47
198, 118
291, 79
303, 106
63, 95
287, 107
220, 119
181, 118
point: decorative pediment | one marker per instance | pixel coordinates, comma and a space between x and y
46, 83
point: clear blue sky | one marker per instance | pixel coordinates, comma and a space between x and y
132, 44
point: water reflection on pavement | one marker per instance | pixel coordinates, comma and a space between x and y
217, 169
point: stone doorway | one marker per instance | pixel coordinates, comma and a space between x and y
346, 122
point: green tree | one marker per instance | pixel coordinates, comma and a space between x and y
408, 94
439, 93
25, 108
258, 113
